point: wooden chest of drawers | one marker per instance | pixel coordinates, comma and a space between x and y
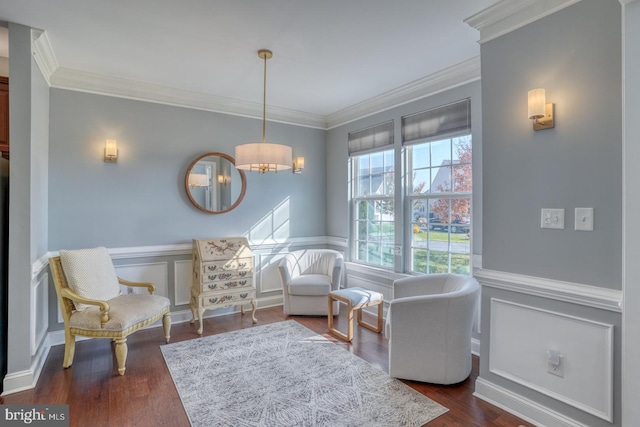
222, 276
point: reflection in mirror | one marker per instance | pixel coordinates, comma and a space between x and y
213, 183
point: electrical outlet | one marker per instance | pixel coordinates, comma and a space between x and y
552, 218
555, 363
397, 250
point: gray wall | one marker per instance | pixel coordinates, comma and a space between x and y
140, 200
631, 317
575, 54
338, 157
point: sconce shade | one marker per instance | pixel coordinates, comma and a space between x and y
536, 104
111, 151
263, 157
198, 180
298, 165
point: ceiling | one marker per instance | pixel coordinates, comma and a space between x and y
329, 55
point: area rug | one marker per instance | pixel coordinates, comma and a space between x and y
284, 374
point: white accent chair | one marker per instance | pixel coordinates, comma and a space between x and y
429, 325
307, 278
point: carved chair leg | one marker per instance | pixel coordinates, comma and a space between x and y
121, 354
166, 325
69, 349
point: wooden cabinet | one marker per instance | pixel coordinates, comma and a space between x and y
222, 276
4, 116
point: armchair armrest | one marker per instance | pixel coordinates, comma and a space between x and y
104, 306
150, 286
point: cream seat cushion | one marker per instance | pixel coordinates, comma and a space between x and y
90, 274
125, 311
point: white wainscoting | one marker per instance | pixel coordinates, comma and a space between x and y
182, 277
154, 272
267, 273
520, 338
39, 311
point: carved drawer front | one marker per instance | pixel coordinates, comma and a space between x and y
236, 264
228, 299
228, 284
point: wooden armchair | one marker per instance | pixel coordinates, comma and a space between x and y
113, 318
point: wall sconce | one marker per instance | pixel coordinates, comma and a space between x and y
198, 180
541, 112
223, 180
298, 165
111, 151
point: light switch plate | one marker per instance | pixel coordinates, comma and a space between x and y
552, 218
584, 219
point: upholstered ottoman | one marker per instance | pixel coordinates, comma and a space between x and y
356, 299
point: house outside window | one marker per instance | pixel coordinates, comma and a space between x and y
373, 205
439, 199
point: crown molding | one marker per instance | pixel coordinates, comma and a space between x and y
509, 15
82, 81
67, 78
448, 78
43, 54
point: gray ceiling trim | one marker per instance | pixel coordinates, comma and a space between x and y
509, 15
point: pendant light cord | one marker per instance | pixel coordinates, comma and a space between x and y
264, 103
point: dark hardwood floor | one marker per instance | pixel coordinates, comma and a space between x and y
146, 395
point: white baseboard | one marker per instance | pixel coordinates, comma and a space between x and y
475, 346
522, 407
27, 379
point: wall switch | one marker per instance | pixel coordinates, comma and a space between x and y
584, 219
552, 218
397, 250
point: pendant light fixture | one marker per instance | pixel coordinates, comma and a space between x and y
263, 156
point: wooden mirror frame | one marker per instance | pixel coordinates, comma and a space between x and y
231, 160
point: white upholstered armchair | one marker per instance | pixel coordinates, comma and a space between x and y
307, 278
429, 326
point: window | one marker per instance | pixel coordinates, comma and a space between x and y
434, 204
438, 154
372, 195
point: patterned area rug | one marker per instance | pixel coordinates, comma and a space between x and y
284, 374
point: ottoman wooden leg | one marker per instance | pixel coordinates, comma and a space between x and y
333, 331
373, 328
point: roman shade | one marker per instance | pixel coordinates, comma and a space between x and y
371, 139
438, 123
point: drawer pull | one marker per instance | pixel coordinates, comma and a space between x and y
212, 267
243, 282
242, 273
243, 296
212, 285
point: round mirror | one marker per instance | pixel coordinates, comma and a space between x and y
213, 183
